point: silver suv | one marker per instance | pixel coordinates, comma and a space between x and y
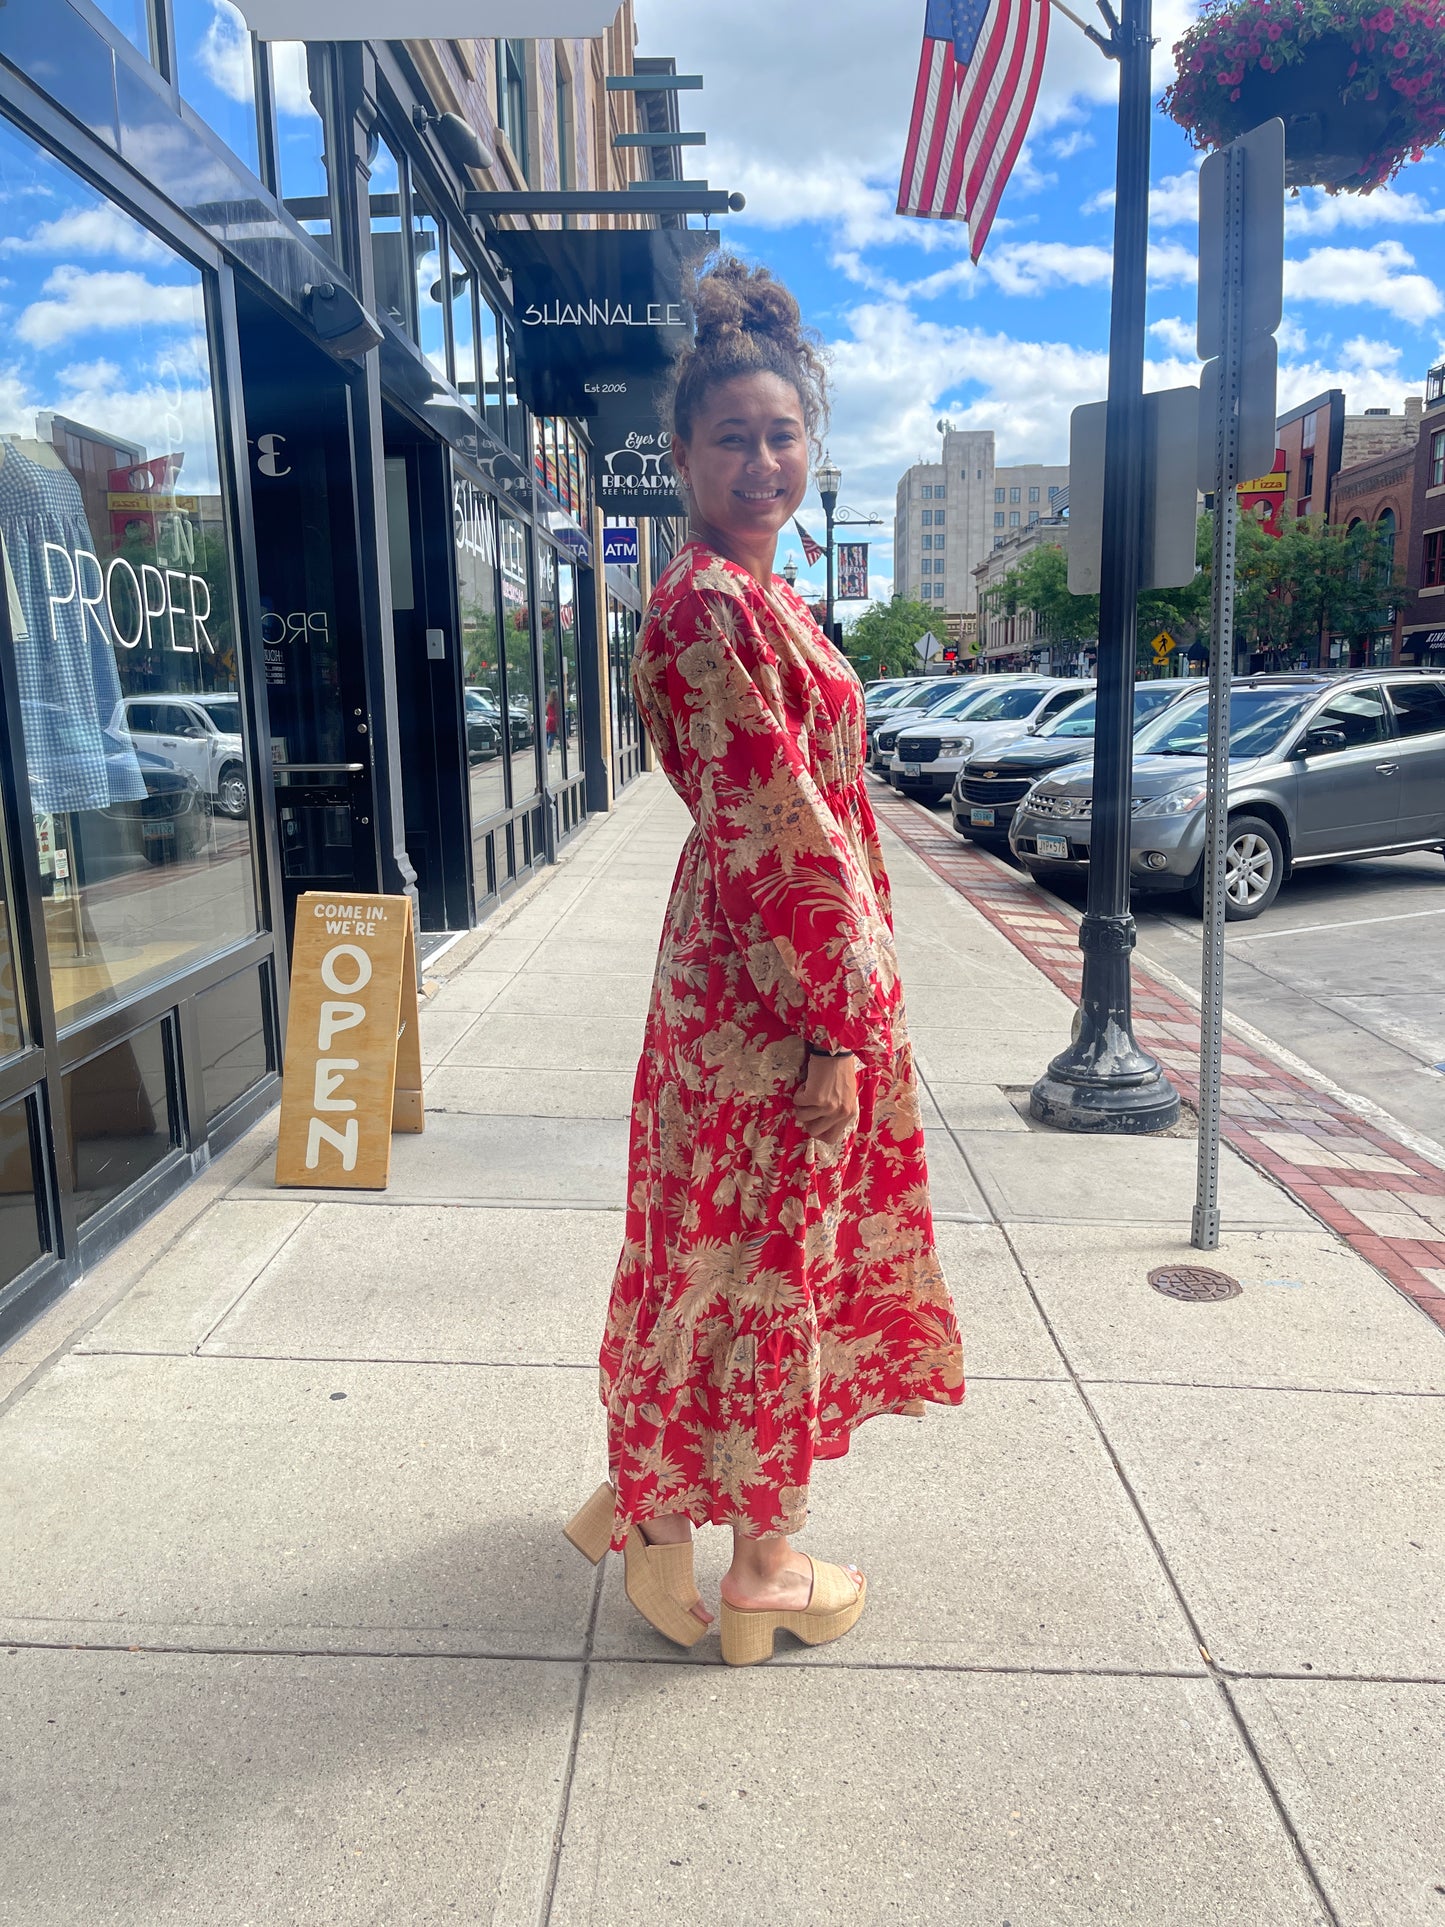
1322, 768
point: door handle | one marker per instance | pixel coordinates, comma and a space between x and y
1387, 769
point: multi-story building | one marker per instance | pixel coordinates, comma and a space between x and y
1422, 616
949, 514
260, 381
1379, 432
1378, 493
1010, 640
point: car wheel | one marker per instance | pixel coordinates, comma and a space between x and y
1253, 870
232, 795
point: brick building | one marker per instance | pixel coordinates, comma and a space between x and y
1422, 618
1379, 494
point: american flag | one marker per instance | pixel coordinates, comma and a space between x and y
812, 551
978, 80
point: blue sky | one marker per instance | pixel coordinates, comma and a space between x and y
806, 107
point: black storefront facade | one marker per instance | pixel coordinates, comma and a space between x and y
286, 606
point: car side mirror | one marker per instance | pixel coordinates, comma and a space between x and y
1322, 741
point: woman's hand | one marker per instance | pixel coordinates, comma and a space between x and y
827, 1103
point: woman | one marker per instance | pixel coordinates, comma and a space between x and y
778, 1283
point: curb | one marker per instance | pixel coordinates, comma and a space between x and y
1359, 1175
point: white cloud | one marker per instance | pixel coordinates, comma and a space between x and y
1372, 277
98, 229
89, 375
17, 406
83, 302
289, 80
1173, 202
1029, 267
1316, 212
158, 415
1178, 336
1067, 145
1368, 372
224, 53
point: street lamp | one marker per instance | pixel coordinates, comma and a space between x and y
790, 570
829, 478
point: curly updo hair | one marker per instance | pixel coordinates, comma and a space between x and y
747, 324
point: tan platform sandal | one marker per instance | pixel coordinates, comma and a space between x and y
659, 1579
833, 1607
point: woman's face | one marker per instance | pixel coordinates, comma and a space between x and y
746, 463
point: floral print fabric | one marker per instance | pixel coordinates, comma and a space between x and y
772, 1291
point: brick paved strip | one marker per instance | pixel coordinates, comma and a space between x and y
1381, 1195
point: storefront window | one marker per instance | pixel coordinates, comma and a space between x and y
300, 81
464, 350
571, 684
522, 706
491, 347
388, 243
431, 287
550, 616
119, 592
474, 520
131, 16
12, 1017
515, 417
20, 1231
216, 73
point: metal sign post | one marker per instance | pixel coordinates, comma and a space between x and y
1241, 239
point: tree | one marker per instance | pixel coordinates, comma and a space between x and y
1040, 584
1313, 579
880, 641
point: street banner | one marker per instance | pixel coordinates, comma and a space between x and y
1262, 497
597, 308
353, 1053
427, 19
852, 572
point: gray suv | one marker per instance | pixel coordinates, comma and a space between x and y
1322, 768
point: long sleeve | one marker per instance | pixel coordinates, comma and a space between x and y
797, 899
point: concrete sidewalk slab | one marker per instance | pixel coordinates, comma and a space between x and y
1357, 1764
189, 1290
1003, 1056
465, 1159
1013, 1546
1303, 1527
616, 996
481, 1286
1003, 1334
974, 1107
1054, 1176
150, 1790
951, 1183
1311, 1312
872, 1796
523, 1093
231, 1503
543, 1044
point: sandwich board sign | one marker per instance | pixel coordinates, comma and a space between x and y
353, 1053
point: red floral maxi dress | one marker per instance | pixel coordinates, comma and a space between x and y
773, 1292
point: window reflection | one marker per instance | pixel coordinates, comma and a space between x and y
571, 686
119, 592
517, 657
388, 243
21, 1242
216, 72
464, 352
300, 83
474, 518
431, 287
132, 17
491, 348
548, 615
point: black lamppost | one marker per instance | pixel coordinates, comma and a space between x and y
829, 478
790, 570
1104, 1081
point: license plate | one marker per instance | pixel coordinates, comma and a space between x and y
1053, 846
910, 769
981, 819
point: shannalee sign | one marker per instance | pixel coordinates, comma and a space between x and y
597, 311
426, 19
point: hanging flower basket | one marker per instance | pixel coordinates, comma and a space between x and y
1359, 86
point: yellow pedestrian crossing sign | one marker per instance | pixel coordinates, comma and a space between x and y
1163, 646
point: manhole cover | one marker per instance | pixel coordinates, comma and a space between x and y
1194, 1284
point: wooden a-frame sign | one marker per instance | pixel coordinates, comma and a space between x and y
353, 1053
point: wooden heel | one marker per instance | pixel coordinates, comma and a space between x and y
590, 1530
747, 1637
833, 1607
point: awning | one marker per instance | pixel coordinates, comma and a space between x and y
428, 19
1424, 638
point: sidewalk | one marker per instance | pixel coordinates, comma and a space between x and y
1155, 1629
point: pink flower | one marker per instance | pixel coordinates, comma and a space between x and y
1235, 94
1402, 48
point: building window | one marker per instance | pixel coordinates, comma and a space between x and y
566, 135
1437, 459
998, 518
301, 90
925, 567
215, 70
132, 17
389, 263
1434, 573
1013, 495
928, 518
1033, 515
928, 491
928, 541
1033, 495
1013, 518
431, 287
122, 607
1307, 431
938, 491
512, 99
938, 541
1385, 530
999, 495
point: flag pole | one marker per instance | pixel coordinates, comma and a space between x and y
1104, 1081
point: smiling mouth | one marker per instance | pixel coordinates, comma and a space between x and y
759, 494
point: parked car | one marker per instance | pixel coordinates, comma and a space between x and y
1321, 769
945, 697
988, 788
927, 757
200, 735
484, 727
901, 695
